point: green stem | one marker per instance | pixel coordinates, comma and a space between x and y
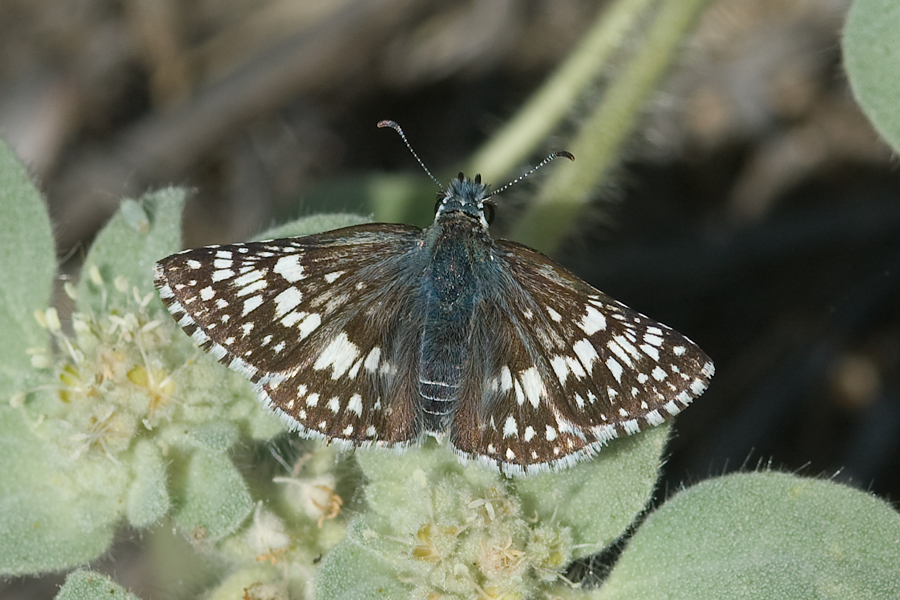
517, 140
597, 148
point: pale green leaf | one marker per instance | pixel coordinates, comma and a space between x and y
756, 536
871, 45
214, 497
27, 265
90, 585
128, 246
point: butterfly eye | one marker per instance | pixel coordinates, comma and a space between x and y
488, 210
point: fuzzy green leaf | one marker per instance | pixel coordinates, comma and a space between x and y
312, 224
148, 497
89, 585
871, 47
361, 567
393, 198
55, 513
27, 264
141, 233
217, 436
763, 535
215, 500
599, 498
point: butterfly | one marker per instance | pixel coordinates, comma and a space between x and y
378, 335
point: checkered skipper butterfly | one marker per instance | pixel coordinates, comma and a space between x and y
381, 334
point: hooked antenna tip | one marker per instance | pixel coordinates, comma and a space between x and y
395, 127
557, 154
388, 123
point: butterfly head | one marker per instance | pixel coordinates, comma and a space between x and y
466, 196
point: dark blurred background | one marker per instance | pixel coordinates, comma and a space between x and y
755, 209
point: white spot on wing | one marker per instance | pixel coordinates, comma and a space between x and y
616, 349
575, 367
249, 277
253, 287
626, 345
251, 304
593, 321
292, 318
532, 385
309, 324
286, 301
509, 428
586, 353
339, 354
355, 404
615, 368
650, 351
653, 340
506, 382
372, 359
290, 268
561, 368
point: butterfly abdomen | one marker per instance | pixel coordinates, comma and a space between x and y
449, 289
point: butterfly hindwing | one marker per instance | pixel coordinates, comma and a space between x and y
321, 324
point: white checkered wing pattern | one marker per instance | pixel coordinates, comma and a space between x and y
321, 325
559, 368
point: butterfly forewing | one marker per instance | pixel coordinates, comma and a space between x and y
565, 368
321, 324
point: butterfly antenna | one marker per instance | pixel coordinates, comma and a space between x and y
561, 153
396, 128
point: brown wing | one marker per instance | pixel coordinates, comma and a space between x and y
324, 325
559, 368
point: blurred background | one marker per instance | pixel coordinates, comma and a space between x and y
754, 208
